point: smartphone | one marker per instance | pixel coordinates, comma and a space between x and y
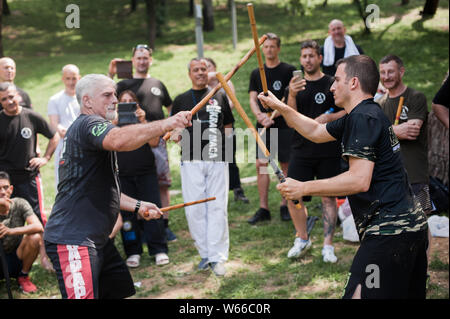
127, 113
124, 69
298, 74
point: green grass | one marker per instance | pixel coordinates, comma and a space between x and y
36, 37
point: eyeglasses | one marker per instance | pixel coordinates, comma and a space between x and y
142, 46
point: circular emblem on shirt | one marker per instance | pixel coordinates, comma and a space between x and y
155, 91
320, 98
404, 113
277, 85
127, 225
26, 132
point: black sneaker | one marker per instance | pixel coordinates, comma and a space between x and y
240, 196
284, 213
261, 214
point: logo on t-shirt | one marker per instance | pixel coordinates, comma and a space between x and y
26, 132
404, 114
277, 85
320, 98
155, 91
99, 129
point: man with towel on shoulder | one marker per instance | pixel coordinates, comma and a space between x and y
337, 45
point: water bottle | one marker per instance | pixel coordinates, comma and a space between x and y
331, 110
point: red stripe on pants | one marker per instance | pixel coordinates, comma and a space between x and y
76, 270
40, 192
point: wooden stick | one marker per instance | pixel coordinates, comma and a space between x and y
244, 116
262, 73
169, 208
227, 77
271, 117
399, 110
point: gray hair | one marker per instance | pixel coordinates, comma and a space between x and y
70, 67
88, 84
4, 86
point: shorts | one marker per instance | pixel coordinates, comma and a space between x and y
14, 265
390, 267
307, 169
162, 164
280, 147
422, 194
32, 191
89, 273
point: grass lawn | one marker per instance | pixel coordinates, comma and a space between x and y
36, 37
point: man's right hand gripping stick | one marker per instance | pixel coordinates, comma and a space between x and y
249, 124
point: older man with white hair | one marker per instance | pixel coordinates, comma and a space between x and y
77, 235
63, 108
337, 45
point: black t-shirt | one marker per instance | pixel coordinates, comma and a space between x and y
315, 100
442, 97
151, 93
207, 126
18, 142
88, 199
338, 54
387, 207
137, 162
277, 81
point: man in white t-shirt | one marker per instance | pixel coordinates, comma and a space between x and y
63, 108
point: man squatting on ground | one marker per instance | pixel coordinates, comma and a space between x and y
391, 225
87, 205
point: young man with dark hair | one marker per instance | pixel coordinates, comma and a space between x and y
152, 95
311, 97
278, 75
20, 234
391, 261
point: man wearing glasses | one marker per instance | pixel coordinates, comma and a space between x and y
152, 95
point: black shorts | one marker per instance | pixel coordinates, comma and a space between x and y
307, 169
88, 273
14, 265
281, 143
390, 267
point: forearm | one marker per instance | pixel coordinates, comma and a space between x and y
127, 203
442, 113
26, 230
340, 185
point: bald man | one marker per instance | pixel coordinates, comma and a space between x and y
337, 45
63, 108
8, 74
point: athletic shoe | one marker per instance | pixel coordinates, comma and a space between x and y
261, 214
203, 265
284, 213
328, 254
161, 259
240, 196
300, 247
218, 268
26, 285
170, 236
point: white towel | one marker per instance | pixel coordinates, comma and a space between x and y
328, 49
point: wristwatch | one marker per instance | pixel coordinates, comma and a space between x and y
138, 205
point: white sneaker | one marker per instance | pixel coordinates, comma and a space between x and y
218, 268
299, 249
328, 254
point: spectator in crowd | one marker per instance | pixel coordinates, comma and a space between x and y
63, 108
337, 45
392, 227
152, 95
278, 75
8, 74
19, 128
20, 231
311, 97
235, 180
137, 175
441, 102
204, 171
77, 235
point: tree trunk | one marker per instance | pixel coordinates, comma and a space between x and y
208, 15
362, 13
430, 7
6, 11
438, 149
1, 40
191, 8
151, 21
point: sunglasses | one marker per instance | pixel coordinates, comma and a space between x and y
142, 46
